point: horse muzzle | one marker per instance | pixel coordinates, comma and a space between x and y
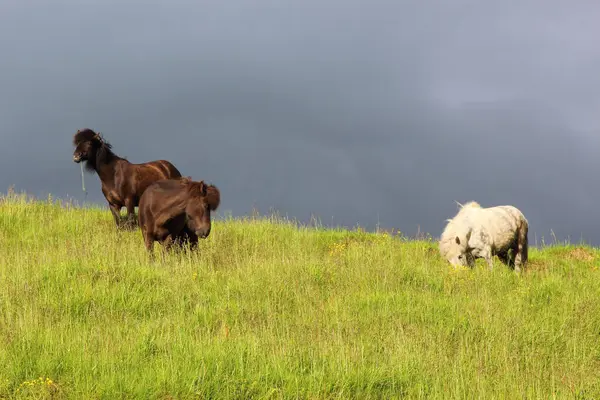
202, 234
77, 158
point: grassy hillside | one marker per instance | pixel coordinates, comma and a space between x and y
268, 310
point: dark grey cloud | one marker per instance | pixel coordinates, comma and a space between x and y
356, 112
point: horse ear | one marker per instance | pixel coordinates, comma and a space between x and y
202, 188
457, 240
468, 236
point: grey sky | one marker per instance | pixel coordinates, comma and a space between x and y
356, 112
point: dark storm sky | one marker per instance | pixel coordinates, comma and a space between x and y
357, 112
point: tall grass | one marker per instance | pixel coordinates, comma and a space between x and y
270, 310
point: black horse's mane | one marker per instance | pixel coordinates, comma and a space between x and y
212, 194
104, 153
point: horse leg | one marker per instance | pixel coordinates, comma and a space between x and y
193, 241
484, 252
168, 242
479, 242
149, 242
190, 238
179, 241
505, 258
488, 257
522, 248
130, 205
116, 212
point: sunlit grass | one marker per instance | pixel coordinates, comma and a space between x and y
267, 309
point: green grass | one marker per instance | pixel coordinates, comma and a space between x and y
270, 310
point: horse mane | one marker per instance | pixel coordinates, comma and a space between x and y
104, 153
463, 208
472, 204
455, 225
201, 189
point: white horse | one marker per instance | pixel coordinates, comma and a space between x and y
477, 232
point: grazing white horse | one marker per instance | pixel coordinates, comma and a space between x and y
477, 232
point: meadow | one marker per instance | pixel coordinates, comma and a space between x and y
268, 309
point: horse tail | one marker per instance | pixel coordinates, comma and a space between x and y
523, 242
171, 171
524, 238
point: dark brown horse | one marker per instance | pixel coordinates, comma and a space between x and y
177, 211
123, 183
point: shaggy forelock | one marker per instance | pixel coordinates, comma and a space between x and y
101, 150
213, 195
84, 135
88, 135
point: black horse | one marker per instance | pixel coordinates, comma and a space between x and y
177, 211
123, 183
